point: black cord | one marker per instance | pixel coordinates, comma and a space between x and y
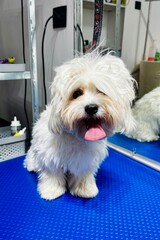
25, 86
43, 64
81, 34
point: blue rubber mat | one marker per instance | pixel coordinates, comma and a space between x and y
127, 207
147, 149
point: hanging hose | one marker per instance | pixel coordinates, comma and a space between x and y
98, 17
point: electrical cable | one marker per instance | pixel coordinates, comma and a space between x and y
43, 63
81, 34
25, 87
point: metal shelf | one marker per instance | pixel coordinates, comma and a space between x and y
15, 75
32, 74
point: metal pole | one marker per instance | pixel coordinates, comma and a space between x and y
147, 31
78, 16
133, 155
117, 26
33, 59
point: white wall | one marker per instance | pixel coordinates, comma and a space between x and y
59, 47
135, 31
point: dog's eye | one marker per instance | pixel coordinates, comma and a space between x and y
101, 92
77, 93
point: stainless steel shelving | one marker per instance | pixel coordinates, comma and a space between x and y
15, 75
32, 73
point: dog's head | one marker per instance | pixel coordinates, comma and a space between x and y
91, 97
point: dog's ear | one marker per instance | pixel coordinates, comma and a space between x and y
124, 87
129, 123
55, 123
128, 95
55, 120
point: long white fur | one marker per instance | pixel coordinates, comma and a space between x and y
147, 115
57, 154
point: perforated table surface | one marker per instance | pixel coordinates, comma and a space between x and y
127, 207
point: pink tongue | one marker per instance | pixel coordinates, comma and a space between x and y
95, 133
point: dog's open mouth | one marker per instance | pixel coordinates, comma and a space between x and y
94, 130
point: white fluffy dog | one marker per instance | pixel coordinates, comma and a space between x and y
146, 112
90, 99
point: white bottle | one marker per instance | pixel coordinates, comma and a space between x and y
15, 126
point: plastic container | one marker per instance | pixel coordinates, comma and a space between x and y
152, 51
20, 133
15, 126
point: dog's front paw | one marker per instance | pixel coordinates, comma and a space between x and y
50, 193
30, 162
51, 186
83, 187
30, 165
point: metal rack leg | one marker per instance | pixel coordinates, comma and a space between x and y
117, 26
33, 59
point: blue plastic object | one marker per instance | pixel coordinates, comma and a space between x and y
127, 207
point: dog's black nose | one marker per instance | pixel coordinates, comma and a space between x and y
91, 109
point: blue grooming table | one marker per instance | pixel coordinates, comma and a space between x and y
147, 149
127, 207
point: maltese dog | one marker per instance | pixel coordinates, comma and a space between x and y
91, 98
146, 112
